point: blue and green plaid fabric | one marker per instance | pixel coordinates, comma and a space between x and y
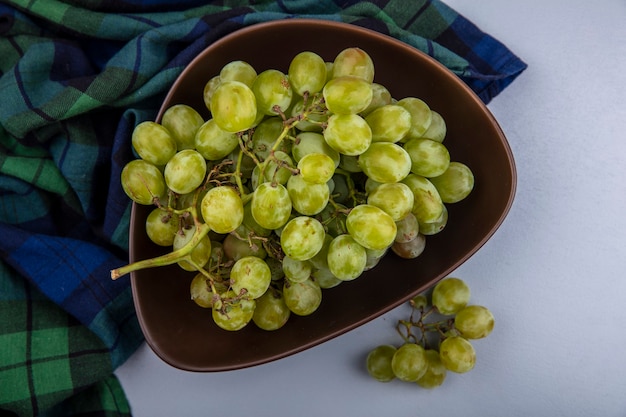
75, 78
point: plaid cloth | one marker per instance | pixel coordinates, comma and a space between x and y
75, 78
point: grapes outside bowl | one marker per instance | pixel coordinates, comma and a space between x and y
185, 335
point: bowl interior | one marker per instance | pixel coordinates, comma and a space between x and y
183, 334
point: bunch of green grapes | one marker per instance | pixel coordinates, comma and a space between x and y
299, 180
437, 340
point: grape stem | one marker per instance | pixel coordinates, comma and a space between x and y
416, 330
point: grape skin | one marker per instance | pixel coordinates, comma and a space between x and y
457, 354
450, 295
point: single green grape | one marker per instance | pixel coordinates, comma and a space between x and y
182, 121
265, 135
325, 279
436, 226
385, 162
428, 157
409, 362
209, 90
380, 97
302, 238
408, 229
348, 134
185, 171
201, 291
295, 270
234, 106
455, 184
437, 129
250, 225
162, 226
272, 88
346, 258
395, 199
350, 163
316, 168
389, 123
236, 248
307, 73
474, 322
312, 116
312, 142
238, 71
142, 182
307, 198
271, 312
213, 143
250, 276
427, 203
354, 62
450, 295
233, 314
276, 169
421, 116
271, 205
153, 143
320, 260
378, 363
457, 354
222, 209
347, 95
302, 298
371, 227
435, 372
200, 254
411, 249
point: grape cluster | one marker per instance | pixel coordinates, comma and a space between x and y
436, 337
299, 181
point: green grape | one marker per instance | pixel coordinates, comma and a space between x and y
222, 209
182, 121
238, 71
296, 271
277, 168
320, 260
371, 227
437, 129
201, 291
302, 237
408, 229
347, 95
234, 106
435, 372
233, 315
276, 267
437, 226
236, 248
142, 182
333, 217
307, 198
153, 143
409, 362
162, 226
200, 254
354, 62
380, 97
411, 249
250, 276
370, 185
395, 199
218, 256
307, 73
421, 116
428, 158
419, 301
250, 225
378, 363
185, 171
316, 168
311, 142
455, 183
302, 298
313, 119
350, 163
457, 354
271, 312
385, 162
348, 134
389, 123
265, 135
271, 205
214, 143
209, 90
325, 279
474, 322
427, 204
346, 258
329, 71
450, 295
271, 88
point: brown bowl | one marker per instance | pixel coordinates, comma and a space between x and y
183, 334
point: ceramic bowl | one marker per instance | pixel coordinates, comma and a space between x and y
183, 334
